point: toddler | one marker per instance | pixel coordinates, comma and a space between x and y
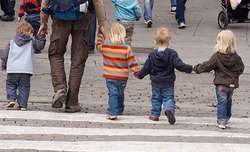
17, 61
161, 65
227, 66
118, 59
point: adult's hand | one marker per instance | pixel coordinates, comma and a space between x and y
43, 29
101, 30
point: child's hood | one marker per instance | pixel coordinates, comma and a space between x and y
22, 39
128, 4
229, 60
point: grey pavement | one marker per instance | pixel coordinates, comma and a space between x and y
194, 93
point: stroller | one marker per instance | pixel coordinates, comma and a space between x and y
228, 15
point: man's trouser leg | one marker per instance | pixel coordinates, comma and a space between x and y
79, 55
58, 42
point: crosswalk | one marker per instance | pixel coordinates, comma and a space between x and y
53, 132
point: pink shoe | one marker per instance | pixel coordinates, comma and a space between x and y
153, 117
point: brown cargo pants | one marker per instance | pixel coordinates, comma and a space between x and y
61, 30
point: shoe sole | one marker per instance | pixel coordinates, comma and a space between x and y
72, 110
59, 102
170, 116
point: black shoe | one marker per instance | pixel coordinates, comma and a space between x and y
149, 23
7, 18
170, 116
73, 109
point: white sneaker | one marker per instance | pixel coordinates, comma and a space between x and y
221, 126
23, 109
111, 117
182, 25
173, 10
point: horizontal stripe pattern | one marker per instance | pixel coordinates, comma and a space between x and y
117, 60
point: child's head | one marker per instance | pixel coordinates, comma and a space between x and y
24, 28
117, 33
226, 42
162, 37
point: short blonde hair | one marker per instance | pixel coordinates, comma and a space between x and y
162, 37
226, 42
117, 33
24, 27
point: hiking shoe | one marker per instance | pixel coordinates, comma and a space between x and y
173, 10
182, 25
59, 98
149, 23
72, 109
153, 117
7, 18
112, 117
170, 116
221, 126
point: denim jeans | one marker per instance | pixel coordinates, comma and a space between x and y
180, 12
116, 96
162, 98
148, 9
173, 3
224, 96
18, 88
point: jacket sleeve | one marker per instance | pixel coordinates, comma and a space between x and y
39, 43
206, 66
132, 62
100, 12
179, 65
138, 11
145, 70
5, 56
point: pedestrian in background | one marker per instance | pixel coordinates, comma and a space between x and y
7, 7
173, 6
31, 10
126, 13
161, 65
180, 13
148, 11
18, 61
227, 66
118, 59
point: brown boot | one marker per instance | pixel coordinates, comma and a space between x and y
72, 109
59, 98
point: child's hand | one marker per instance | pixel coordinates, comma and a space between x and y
19, 19
136, 75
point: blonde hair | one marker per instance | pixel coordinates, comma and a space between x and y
226, 42
117, 33
162, 37
24, 27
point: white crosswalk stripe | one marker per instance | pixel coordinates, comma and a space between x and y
35, 131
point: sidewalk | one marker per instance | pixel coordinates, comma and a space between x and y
194, 93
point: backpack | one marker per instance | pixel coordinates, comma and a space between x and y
67, 10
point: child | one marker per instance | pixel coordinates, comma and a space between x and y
161, 65
32, 9
126, 12
118, 59
17, 60
228, 66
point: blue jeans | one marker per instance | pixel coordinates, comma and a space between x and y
224, 96
18, 88
173, 3
148, 9
116, 96
162, 97
180, 12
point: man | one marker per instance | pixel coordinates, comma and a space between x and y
61, 29
8, 8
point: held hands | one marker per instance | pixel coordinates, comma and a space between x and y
43, 30
101, 30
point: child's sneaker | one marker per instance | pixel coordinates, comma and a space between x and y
23, 109
153, 117
170, 116
182, 25
111, 117
11, 104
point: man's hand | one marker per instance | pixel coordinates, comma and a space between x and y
101, 30
43, 29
